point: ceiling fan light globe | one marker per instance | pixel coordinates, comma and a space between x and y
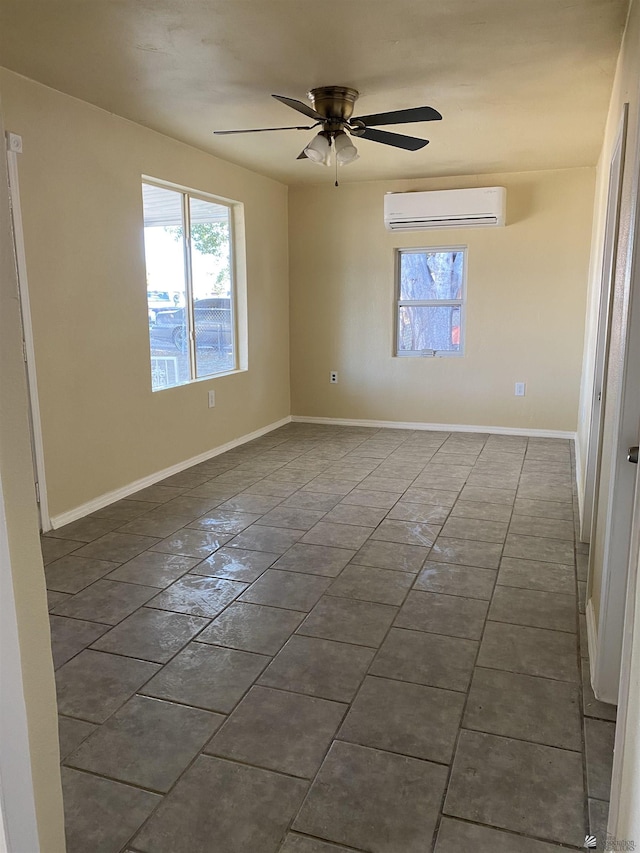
346, 151
314, 155
350, 157
319, 150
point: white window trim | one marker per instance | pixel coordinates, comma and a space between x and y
235, 208
419, 303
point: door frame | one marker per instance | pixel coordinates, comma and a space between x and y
608, 266
606, 638
626, 760
18, 821
14, 149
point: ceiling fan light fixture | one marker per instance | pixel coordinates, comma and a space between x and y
319, 149
332, 111
346, 151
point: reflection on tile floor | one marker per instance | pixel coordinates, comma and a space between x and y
332, 639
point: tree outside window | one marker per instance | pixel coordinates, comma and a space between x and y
430, 289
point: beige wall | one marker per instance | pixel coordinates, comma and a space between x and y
25, 576
526, 293
80, 173
625, 89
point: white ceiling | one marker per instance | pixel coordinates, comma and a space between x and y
521, 84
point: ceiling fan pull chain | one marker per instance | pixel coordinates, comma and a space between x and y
336, 183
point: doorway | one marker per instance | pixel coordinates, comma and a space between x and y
615, 477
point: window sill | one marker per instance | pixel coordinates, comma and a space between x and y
200, 379
429, 354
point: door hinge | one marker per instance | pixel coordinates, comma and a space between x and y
14, 142
37, 484
24, 351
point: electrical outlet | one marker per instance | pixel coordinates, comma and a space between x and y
520, 389
333, 377
212, 399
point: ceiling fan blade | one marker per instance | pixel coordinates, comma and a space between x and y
400, 116
398, 140
299, 106
263, 129
302, 155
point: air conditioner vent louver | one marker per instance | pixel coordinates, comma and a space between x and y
471, 208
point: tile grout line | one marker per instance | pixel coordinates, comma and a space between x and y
441, 813
349, 705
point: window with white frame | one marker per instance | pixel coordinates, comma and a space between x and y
188, 240
430, 288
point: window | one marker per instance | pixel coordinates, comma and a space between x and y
430, 291
188, 240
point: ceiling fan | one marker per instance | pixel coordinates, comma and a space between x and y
332, 108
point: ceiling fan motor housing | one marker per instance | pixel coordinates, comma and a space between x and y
335, 104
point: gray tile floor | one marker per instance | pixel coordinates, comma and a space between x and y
332, 639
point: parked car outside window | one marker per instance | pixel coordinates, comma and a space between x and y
159, 300
212, 324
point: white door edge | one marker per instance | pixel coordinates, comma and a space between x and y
626, 760
18, 822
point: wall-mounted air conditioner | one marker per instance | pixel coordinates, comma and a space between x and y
445, 209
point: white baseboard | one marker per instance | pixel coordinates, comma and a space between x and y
530, 433
57, 521
150, 480
592, 639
